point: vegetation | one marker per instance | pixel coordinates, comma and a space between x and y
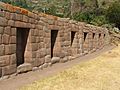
113, 14
90, 11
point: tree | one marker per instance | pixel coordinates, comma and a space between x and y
113, 14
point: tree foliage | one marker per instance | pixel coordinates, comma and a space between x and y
113, 14
90, 11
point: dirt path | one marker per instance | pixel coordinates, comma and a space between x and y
27, 78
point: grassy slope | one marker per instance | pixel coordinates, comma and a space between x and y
101, 73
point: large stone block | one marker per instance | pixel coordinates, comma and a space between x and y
12, 40
25, 18
11, 22
19, 17
1, 30
38, 61
0, 72
3, 21
43, 52
24, 68
4, 60
13, 31
13, 16
51, 22
7, 50
47, 59
8, 70
7, 30
2, 50
34, 46
13, 48
55, 60
21, 24
5, 39
63, 60
13, 59
0, 39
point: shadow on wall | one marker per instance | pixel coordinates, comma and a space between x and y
22, 36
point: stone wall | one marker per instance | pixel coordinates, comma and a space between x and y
30, 41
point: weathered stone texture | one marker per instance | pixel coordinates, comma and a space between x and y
31, 37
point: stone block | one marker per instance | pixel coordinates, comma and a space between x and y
38, 61
2, 51
7, 30
63, 60
3, 21
71, 57
12, 40
45, 65
20, 24
4, 60
25, 18
19, 17
34, 46
13, 31
62, 55
55, 60
7, 15
13, 48
37, 39
11, 22
0, 39
35, 68
0, 72
7, 70
24, 68
48, 51
33, 39
5, 39
47, 58
50, 22
1, 30
13, 59
43, 52
7, 50
13, 16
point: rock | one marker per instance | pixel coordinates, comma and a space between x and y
41, 67
45, 65
71, 57
5, 77
49, 64
13, 75
55, 60
65, 59
35, 68
47, 59
24, 68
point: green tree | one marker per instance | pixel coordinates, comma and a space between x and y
113, 14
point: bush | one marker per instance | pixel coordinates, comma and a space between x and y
84, 16
99, 20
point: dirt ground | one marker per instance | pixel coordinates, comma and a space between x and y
79, 74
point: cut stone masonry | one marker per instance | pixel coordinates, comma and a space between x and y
30, 40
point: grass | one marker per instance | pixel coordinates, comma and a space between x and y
101, 73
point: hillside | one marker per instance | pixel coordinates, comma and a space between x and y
89, 11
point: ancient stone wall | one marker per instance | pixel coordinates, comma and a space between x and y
31, 41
